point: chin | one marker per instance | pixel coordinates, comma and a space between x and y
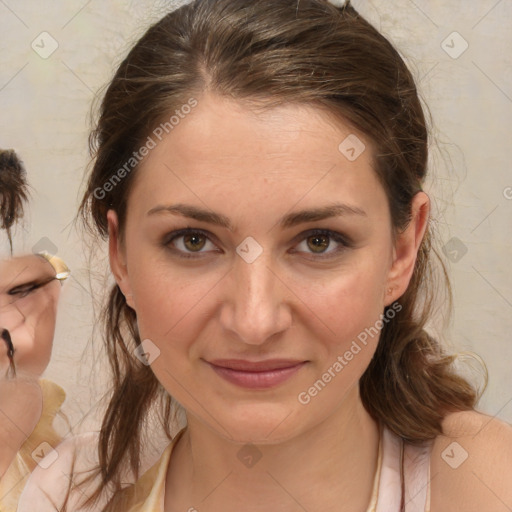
262, 424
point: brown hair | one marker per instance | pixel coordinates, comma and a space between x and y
268, 53
13, 190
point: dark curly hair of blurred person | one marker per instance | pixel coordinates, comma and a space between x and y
13, 190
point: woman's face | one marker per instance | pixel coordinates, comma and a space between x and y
285, 265
29, 295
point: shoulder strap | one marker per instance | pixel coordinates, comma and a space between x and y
417, 477
403, 462
390, 485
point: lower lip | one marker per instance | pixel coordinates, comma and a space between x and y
257, 380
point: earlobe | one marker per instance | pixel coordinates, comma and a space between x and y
117, 257
406, 248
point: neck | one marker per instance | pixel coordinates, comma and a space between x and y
329, 467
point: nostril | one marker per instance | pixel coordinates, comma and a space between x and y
6, 336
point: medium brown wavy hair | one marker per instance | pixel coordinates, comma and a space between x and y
274, 52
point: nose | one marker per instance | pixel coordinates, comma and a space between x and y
255, 307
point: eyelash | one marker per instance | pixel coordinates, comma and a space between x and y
23, 290
333, 235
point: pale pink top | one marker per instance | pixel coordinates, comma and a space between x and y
387, 491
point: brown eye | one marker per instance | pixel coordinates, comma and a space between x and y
318, 243
189, 243
323, 243
194, 242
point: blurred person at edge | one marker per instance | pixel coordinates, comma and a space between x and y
29, 292
280, 215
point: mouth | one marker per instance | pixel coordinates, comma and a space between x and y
256, 375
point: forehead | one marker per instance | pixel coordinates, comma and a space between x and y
229, 149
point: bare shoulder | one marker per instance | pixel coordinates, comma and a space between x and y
471, 464
56, 474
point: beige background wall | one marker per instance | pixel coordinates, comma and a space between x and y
44, 115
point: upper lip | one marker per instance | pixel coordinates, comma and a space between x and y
256, 366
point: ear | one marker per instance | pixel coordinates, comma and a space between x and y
406, 249
117, 257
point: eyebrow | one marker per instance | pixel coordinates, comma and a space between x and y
287, 221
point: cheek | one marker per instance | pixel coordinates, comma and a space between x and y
35, 335
167, 302
350, 300
47, 316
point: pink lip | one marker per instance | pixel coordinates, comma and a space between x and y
256, 375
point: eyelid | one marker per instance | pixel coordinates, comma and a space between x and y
21, 288
21, 294
29, 287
